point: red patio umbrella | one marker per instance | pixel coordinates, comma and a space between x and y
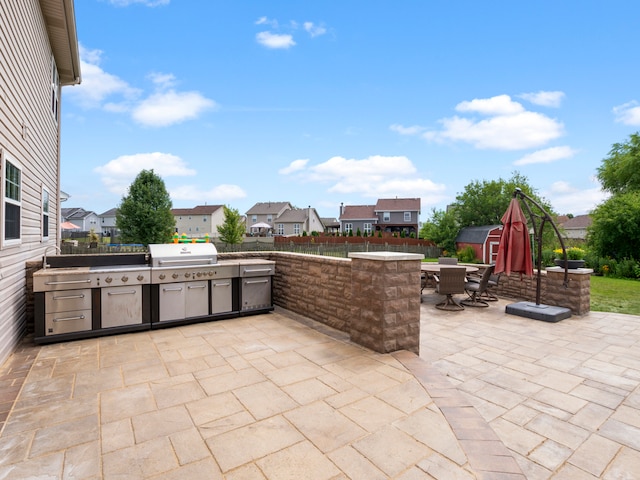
514, 252
69, 226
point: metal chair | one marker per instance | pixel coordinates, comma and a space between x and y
476, 289
488, 294
447, 260
450, 281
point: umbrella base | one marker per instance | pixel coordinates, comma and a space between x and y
546, 313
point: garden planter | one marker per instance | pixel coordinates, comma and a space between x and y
571, 264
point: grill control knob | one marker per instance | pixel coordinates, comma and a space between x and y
162, 276
198, 274
187, 275
175, 275
108, 279
211, 274
124, 279
140, 278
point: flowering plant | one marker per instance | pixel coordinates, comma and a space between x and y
573, 253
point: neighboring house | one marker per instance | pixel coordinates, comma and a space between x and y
298, 221
265, 212
108, 223
358, 217
331, 224
39, 52
576, 227
393, 215
199, 221
484, 240
84, 219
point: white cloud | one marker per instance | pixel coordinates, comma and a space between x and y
314, 30
167, 108
218, 194
547, 155
628, 113
266, 21
147, 3
275, 40
402, 130
545, 99
294, 166
566, 198
98, 85
503, 132
119, 173
498, 105
374, 176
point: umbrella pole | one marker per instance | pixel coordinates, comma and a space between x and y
537, 237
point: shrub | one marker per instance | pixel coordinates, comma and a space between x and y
466, 254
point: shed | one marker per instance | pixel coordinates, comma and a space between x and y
484, 240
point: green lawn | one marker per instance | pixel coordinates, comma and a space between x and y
615, 295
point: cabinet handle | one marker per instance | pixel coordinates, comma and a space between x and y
257, 270
196, 286
67, 282
66, 319
128, 292
251, 282
66, 297
220, 284
172, 289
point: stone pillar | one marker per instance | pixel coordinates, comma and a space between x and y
576, 296
385, 301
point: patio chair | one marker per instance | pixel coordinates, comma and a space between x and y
447, 260
450, 281
494, 280
475, 290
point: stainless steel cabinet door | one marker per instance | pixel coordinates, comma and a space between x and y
221, 298
121, 305
197, 299
172, 297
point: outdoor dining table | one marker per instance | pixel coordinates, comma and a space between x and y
435, 267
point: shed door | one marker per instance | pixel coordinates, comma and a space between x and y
493, 251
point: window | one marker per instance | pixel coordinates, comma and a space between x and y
254, 218
45, 214
55, 88
386, 217
269, 218
204, 219
407, 216
296, 228
281, 229
367, 228
12, 202
348, 227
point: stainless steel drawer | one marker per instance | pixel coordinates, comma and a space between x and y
261, 270
221, 297
67, 300
67, 322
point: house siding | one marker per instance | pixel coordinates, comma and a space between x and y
29, 136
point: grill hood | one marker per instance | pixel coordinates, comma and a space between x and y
183, 254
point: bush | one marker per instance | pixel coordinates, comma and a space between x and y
466, 254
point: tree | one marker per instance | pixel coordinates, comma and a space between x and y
232, 230
484, 203
620, 171
442, 229
144, 215
615, 231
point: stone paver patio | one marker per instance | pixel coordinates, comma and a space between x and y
278, 396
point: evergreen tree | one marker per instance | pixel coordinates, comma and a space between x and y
232, 230
144, 215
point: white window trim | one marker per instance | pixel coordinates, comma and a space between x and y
45, 222
4, 242
407, 216
386, 217
367, 228
348, 227
296, 228
55, 90
281, 229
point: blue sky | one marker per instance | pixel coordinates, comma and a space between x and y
317, 103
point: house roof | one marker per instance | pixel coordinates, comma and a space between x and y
79, 213
398, 205
60, 19
330, 221
197, 210
475, 234
358, 212
577, 222
296, 215
262, 208
109, 213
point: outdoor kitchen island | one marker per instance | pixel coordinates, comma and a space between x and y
82, 296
